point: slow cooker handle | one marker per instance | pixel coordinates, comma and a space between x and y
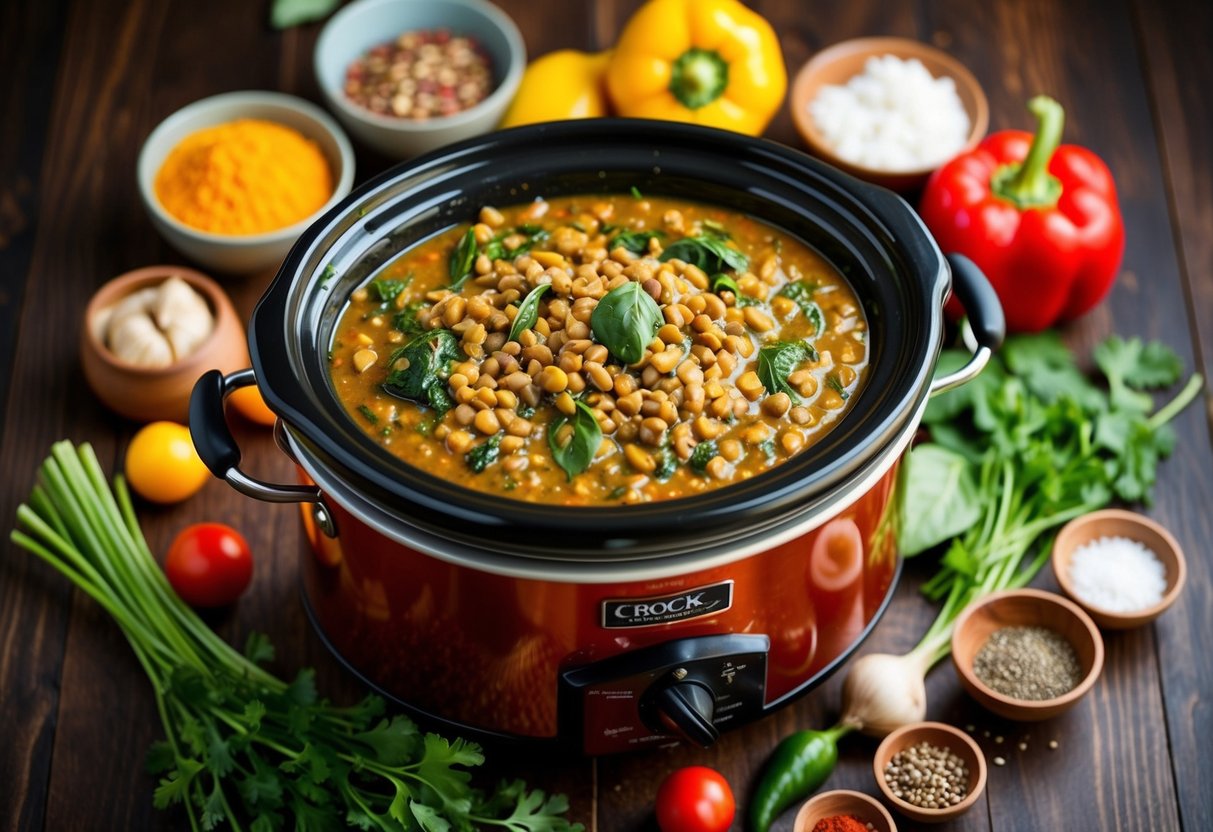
985, 325
217, 447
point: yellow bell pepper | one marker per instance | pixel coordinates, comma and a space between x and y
561, 85
711, 62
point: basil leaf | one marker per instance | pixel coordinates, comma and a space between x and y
463, 260
577, 454
702, 455
801, 293
636, 241
483, 455
777, 361
625, 320
528, 311
423, 379
707, 251
721, 280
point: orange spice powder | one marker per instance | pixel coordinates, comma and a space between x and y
245, 177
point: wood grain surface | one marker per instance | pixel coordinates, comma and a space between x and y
86, 80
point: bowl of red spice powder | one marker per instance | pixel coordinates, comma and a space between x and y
842, 810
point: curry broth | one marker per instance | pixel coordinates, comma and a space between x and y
698, 382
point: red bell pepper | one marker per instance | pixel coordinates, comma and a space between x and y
1041, 220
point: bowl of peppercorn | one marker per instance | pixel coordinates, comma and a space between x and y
409, 76
930, 771
1026, 654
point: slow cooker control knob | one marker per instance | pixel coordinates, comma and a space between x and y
685, 710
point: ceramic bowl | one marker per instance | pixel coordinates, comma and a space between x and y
843, 802
941, 736
241, 253
361, 25
1119, 523
150, 394
1025, 608
839, 63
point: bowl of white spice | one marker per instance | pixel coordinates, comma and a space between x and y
1123, 568
888, 110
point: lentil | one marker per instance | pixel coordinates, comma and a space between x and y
421, 75
1032, 663
927, 776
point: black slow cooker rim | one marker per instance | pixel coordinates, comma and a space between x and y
287, 354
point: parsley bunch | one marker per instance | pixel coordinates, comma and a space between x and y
1028, 445
241, 743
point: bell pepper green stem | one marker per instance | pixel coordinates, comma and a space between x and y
698, 77
1029, 183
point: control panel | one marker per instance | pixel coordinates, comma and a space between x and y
689, 689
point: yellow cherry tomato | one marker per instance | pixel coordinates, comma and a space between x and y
248, 401
162, 465
561, 85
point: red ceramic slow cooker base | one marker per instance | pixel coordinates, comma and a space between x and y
486, 651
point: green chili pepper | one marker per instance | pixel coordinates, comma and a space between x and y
797, 767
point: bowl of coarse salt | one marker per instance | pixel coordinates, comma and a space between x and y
1123, 568
888, 110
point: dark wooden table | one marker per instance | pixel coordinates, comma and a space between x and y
83, 84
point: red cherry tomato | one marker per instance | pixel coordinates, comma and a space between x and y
209, 565
695, 799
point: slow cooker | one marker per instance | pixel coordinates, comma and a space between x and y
600, 629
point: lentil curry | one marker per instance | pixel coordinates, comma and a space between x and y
600, 350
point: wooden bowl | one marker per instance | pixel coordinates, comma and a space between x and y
1025, 608
148, 394
943, 736
1119, 523
843, 802
842, 61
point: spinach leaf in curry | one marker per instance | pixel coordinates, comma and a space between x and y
625, 320
801, 292
528, 311
422, 376
575, 455
709, 251
463, 260
777, 361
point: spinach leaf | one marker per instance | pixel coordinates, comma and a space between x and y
709, 252
778, 360
720, 281
423, 378
625, 320
385, 291
484, 454
463, 260
576, 454
801, 293
495, 248
940, 500
702, 455
667, 464
833, 382
528, 311
406, 321
636, 241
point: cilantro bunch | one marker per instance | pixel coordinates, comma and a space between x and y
1028, 445
241, 743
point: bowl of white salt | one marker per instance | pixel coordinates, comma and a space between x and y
888, 110
1122, 568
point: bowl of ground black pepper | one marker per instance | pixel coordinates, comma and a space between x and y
1026, 654
931, 772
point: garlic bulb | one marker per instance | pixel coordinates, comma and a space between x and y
883, 692
156, 326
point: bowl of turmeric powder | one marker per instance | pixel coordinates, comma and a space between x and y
231, 181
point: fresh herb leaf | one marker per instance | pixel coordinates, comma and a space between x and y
722, 281
406, 321
287, 13
707, 251
575, 455
801, 292
767, 447
702, 455
495, 248
463, 260
258, 649
835, 384
368, 414
625, 321
636, 194
778, 360
422, 379
528, 311
1048, 370
944, 500
1130, 366
330, 271
635, 241
716, 228
667, 464
484, 454
385, 291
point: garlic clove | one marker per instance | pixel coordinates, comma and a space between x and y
183, 315
135, 339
